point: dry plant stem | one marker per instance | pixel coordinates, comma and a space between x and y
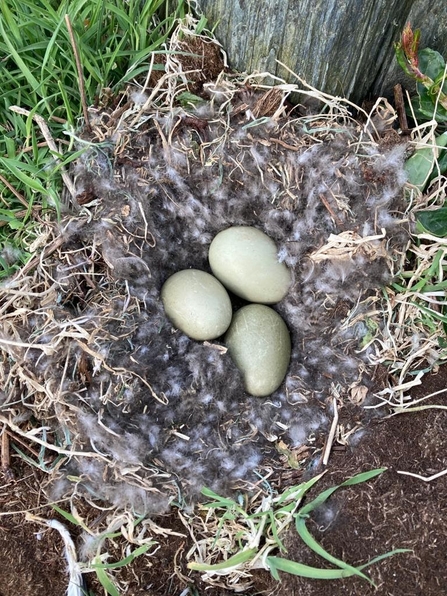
411, 405
5, 459
329, 208
32, 437
39, 146
21, 442
21, 213
324, 97
46, 253
400, 107
14, 191
51, 144
418, 409
424, 478
38, 508
332, 432
80, 73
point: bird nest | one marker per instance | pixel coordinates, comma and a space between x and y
138, 414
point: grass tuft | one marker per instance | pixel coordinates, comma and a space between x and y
246, 538
116, 42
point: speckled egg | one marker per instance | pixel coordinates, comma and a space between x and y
245, 260
259, 343
197, 304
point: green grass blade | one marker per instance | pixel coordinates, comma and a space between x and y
298, 492
279, 564
310, 541
106, 582
49, 52
391, 553
10, 22
234, 561
127, 560
16, 168
432, 313
66, 515
219, 501
32, 81
362, 477
322, 497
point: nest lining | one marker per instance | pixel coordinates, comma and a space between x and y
98, 358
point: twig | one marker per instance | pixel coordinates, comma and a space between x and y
6, 461
400, 107
404, 410
80, 73
328, 207
330, 439
21, 442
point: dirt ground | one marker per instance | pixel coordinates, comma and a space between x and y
392, 511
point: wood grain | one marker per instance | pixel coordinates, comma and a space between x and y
341, 47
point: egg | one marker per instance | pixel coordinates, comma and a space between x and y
259, 344
197, 304
245, 260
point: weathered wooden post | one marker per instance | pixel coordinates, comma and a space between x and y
341, 47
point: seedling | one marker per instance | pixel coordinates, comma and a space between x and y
257, 535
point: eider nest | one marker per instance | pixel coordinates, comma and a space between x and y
138, 414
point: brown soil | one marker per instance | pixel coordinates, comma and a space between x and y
392, 511
31, 556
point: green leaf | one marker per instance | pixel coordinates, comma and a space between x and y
129, 559
279, 564
424, 107
431, 63
322, 497
310, 541
433, 222
234, 561
420, 165
189, 99
298, 492
106, 582
66, 515
440, 167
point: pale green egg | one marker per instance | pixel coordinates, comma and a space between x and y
245, 260
259, 343
197, 304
